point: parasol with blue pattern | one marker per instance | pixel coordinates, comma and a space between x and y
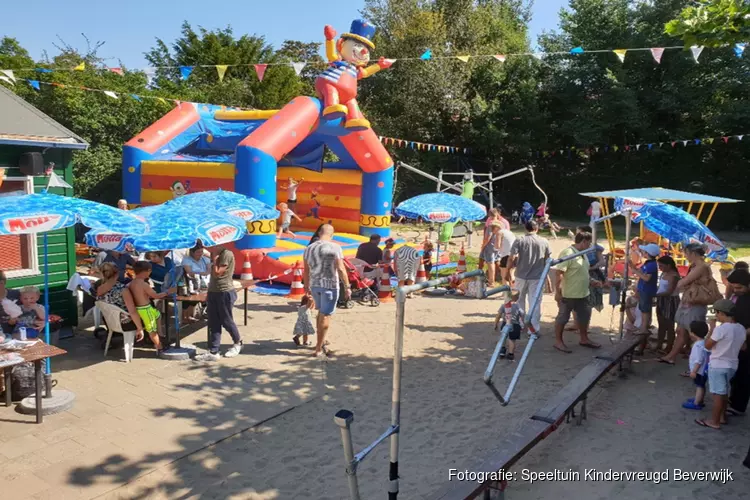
236, 204
441, 208
674, 224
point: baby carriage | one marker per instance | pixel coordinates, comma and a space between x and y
362, 284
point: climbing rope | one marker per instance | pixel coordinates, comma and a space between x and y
533, 180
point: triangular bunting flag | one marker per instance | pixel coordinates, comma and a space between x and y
34, 84
660, 144
136, 97
684, 143
260, 70
650, 146
55, 181
696, 51
697, 141
6, 79
674, 144
185, 72
500, 58
9, 74
637, 147
162, 100
656, 53
710, 140
627, 148
596, 148
725, 139
80, 67
298, 67
539, 55
118, 71
463, 58
426, 55
221, 70
739, 49
615, 148
110, 94
43, 70
740, 137
576, 50
390, 61
621, 54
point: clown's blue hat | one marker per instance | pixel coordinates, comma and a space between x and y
362, 32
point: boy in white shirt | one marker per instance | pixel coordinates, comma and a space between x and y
725, 343
698, 364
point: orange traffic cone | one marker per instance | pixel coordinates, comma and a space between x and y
297, 290
247, 269
421, 273
461, 261
384, 291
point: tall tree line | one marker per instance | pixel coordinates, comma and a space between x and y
503, 112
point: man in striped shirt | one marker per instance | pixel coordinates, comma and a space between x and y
324, 267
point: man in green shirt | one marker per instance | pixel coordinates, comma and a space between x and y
220, 303
572, 292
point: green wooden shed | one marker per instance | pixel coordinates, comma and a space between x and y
25, 129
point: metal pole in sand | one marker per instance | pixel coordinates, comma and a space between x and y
626, 271
398, 353
344, 419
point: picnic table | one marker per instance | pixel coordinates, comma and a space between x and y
32, 354
196, 297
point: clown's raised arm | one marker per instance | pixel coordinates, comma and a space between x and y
370, 70
331, 53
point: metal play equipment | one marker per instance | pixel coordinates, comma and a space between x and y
504, 399
344, 418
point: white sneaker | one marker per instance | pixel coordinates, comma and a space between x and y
208, 356
234, 350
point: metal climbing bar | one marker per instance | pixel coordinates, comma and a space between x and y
344, 418
533, 335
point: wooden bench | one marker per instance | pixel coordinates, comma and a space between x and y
541, 424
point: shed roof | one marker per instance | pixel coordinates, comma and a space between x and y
21, 124
661, 194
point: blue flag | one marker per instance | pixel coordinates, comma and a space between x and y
34, 84
576, 50
427, 55
185, 71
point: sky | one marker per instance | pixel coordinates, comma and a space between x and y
130, 28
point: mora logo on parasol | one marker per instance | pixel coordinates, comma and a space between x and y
242, 213
108, 241
218, 233
439, 216
39, 223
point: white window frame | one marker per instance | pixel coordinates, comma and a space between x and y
33, 255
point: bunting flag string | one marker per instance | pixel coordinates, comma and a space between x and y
423, 146
427, 55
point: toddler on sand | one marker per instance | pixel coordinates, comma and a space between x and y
304, 325
698, 364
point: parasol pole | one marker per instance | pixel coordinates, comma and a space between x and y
48, 361
626, 270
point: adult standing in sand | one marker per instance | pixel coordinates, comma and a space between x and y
324, 266
219, 304
698, 275
572, 293
528, 255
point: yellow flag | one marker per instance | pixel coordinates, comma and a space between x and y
463, 58
620, 54
221, 69
162, 100
80, 67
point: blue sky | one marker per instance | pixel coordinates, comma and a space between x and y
130, 28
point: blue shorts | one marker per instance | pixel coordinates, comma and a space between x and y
325, 300
718, 380
645, 302
700, 380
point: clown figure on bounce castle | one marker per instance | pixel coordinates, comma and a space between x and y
348, 58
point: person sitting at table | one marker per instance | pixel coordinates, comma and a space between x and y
32, 314
112, 291
119, 259
197, 267
6, 295
160, 266
176, 279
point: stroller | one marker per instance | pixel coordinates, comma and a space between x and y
362, 286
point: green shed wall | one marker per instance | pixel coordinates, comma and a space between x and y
60, 243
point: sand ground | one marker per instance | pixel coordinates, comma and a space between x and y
449, 418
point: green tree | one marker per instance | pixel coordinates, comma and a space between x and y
712, 23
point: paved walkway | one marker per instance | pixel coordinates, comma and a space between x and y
132, 419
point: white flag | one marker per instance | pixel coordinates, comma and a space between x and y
500, 57
9, 74
657, 52
55, 181
539, 55
298, 67
740, 137
684, 143
6, 79
110, 94
696, 50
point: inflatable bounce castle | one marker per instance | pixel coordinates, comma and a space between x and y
275, 156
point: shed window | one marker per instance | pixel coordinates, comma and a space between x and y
18, 253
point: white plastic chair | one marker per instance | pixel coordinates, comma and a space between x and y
112, 316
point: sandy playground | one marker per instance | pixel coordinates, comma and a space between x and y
184, 430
